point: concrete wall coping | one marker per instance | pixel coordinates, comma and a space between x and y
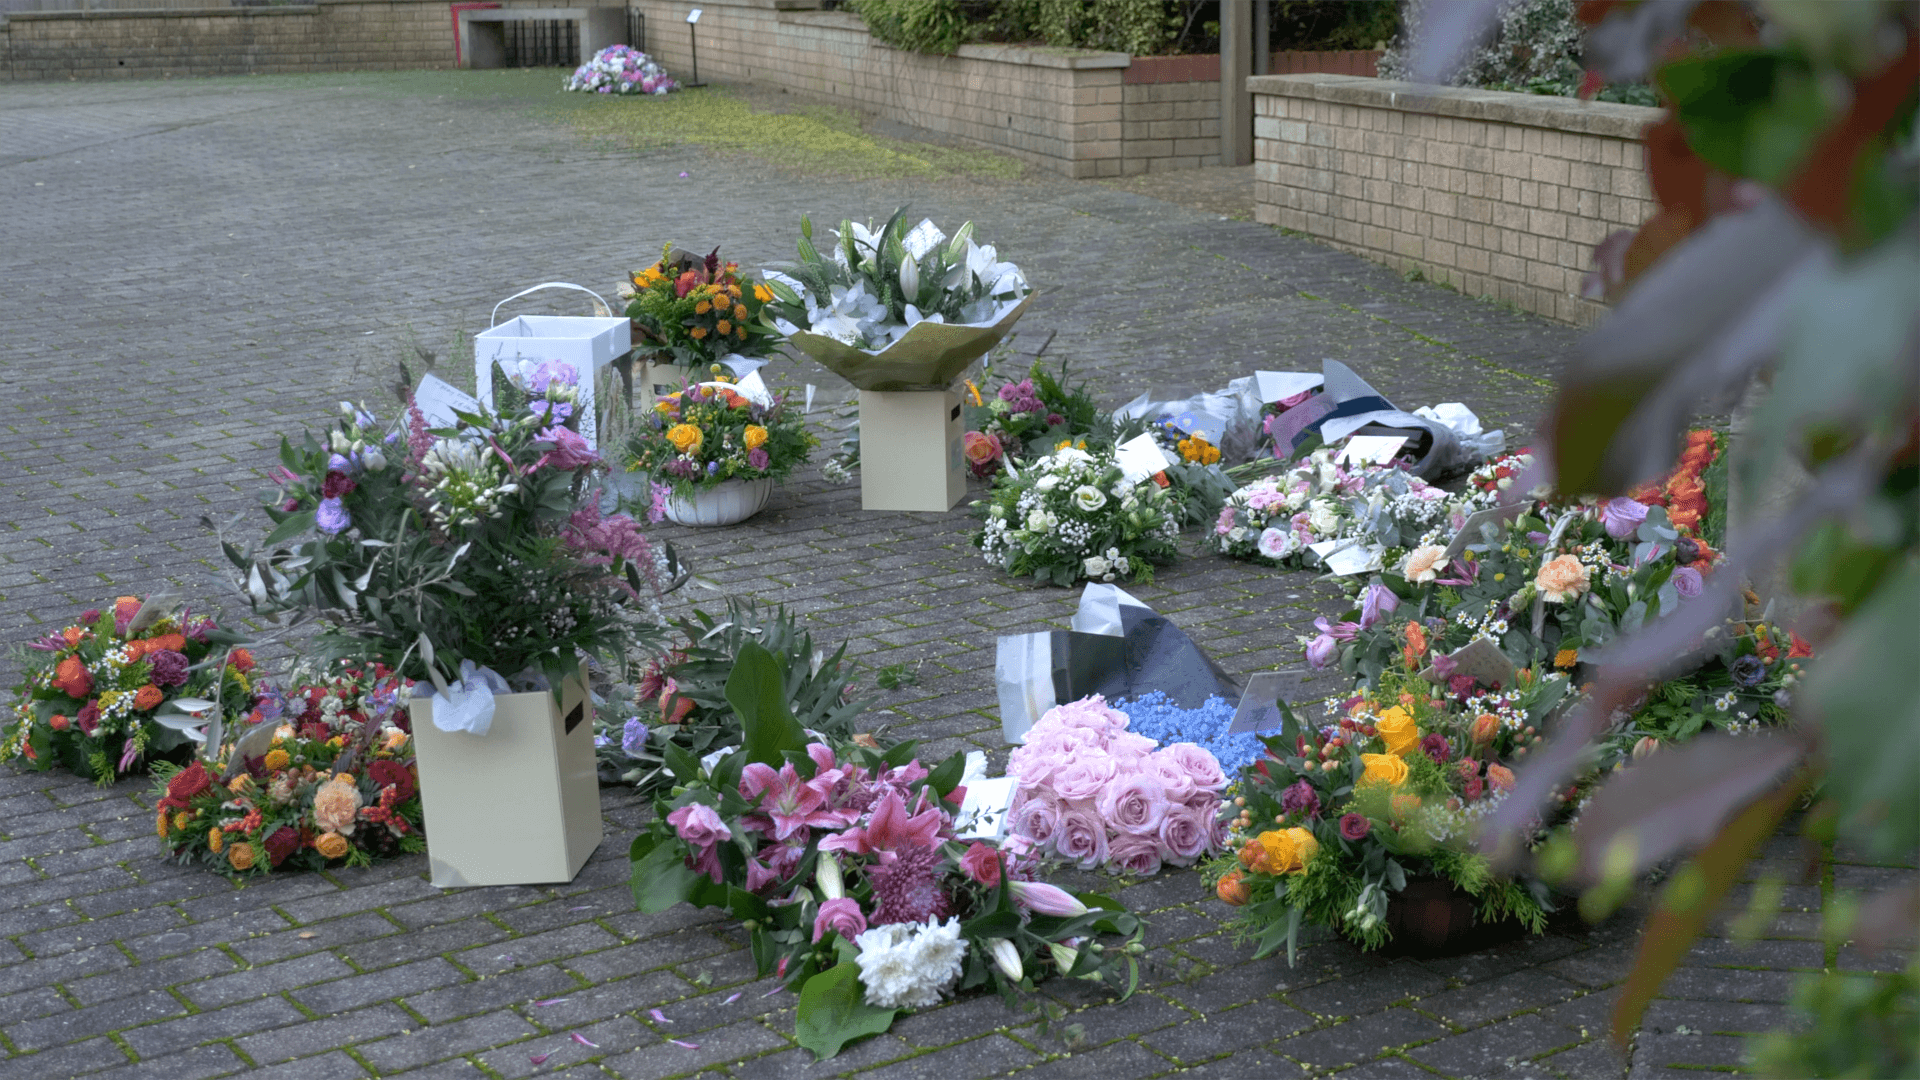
1046, 56
1527, 110
166, 13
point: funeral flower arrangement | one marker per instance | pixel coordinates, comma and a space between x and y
621, 69
845, 866
1336, 820
700, 310
122, 684
710, 433
326, 778
1037, 411
1093, 793
1074, 515
441, 551
874, 285
1276, 520
680, 697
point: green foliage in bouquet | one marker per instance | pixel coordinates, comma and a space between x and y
122, 685
481, 542
681, 696
1073, 515
1333, 823
326, 780
842, 864
705, 435
699, 309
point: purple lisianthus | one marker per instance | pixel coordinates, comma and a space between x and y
1300, 798
1622, 517
339, 463
1688, 583
1435, 746
757, 457
634, 738
1321, 651
1377, 604
551, 412
332, 518
169, 668
1749, 670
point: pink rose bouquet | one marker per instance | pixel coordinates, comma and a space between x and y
1095, 794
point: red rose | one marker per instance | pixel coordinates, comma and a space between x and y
88, 718
392, 774
190, 781
242, 661
982, 864
281, 843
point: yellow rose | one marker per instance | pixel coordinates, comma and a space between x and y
1288, 851
1398, 731
756, 436
685, 437
1305, 846
1562, 579
1383, 769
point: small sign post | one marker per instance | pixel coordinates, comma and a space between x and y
693, 40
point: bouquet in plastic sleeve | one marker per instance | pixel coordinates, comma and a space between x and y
895, 308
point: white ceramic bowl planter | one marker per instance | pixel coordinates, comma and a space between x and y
727, 503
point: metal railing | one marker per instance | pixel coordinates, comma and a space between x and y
545, 43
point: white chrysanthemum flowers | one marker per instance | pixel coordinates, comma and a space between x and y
909, 965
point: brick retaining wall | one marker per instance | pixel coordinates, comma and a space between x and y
1499, 195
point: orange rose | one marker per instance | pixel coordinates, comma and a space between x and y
71, 678
332, 845
148, 697
1233, 889
176, 642
1561, 580
1416, 638
1500, 777
72, 635
1485, 727
242, 661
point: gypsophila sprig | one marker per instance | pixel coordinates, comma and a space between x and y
1072, 516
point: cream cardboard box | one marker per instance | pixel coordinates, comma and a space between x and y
519, 805
910, 450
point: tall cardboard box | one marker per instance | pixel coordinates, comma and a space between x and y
911, 457
519, 805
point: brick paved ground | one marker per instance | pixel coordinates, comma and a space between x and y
191, 268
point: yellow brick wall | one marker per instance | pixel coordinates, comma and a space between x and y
1499, 195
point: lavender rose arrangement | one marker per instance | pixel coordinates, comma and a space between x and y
1094, 793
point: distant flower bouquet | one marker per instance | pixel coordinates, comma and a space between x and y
844, 864
1096, 794
876, 284
709, 433
701, 310
1035, 411
481, 542
1336, 820
132, 681
621, 69
1276, 519
1073, 515
334, 784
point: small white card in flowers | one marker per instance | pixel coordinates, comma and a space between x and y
1371, 449
984, 808
1139, 458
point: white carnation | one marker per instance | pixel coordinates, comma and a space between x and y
909, 966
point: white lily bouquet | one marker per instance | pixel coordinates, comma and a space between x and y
1075, 515
896, 309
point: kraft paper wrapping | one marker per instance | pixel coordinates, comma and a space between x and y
928, 357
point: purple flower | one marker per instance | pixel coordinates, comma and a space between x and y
331, 517
1686, 551
1021, 398
757, 457
1340, 631
552, 371
1622, 517
1300, 798
169, 668
1536, 538
1321, 651
570, 451
1054, 419
338, 463
551, 412
1354, 827
1749, 670
634, 738
1377, 604
713, 468
1688, 583
1435, 746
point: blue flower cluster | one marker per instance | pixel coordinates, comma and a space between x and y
1158, 718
